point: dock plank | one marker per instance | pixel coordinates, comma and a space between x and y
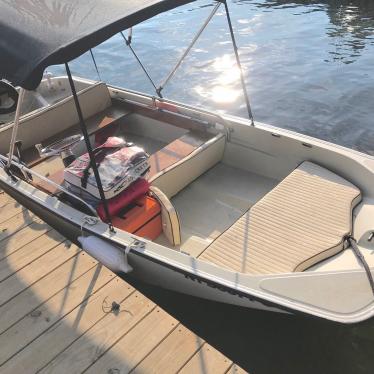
235, 369
28, 253
172, 353
22, 237
32, 297
25, 277
90, 347
16, 223
5, 198
41, 319
9, 210
207, 360
136, 344
55, 341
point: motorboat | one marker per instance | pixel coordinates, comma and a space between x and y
225, 208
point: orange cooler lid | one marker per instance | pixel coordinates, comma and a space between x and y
142, 211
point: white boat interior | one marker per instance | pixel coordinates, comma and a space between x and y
49, 92
253, 200
226, 181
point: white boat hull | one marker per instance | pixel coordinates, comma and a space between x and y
263, 151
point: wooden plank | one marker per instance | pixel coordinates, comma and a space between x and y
42, 290
91, 346
57, 177
110, 116
9, 210
235, 369
172, 119
29, 253
22, 237
49, 166
176, 151
207, 360
34, 271
46, 315
17, 223
136, 344
74, 325
172, 354
5, 198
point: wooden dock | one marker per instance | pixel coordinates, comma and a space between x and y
56, 312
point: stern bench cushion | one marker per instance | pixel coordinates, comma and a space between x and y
299, 223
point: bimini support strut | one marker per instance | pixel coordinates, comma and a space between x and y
96, 68
246, 97
128, 43
89, 147
233, 40
202, 28
15, 127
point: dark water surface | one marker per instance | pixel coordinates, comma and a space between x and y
308, 64
309, 67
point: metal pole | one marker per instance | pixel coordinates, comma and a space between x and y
94, 61
89, 147
128, 43
246, 98
202, 28
15, 126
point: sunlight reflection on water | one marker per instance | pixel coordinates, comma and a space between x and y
222, 89
308, 65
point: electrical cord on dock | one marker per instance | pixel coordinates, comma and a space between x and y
114, 307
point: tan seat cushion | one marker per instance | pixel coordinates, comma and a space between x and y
302, 221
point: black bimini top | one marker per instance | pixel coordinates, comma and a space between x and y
35, 34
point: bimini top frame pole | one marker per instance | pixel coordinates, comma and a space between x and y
128, 43
194, 40
15, 127
89, 147
244, 87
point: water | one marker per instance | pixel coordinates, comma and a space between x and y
308, 67
308, 64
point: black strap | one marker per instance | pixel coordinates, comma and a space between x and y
96, 152
86, 137
352, 241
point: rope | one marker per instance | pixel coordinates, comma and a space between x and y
352, 241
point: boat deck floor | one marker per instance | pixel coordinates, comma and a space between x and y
55, 308
214, 201
217, 199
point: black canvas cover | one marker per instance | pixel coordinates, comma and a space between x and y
35, 34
